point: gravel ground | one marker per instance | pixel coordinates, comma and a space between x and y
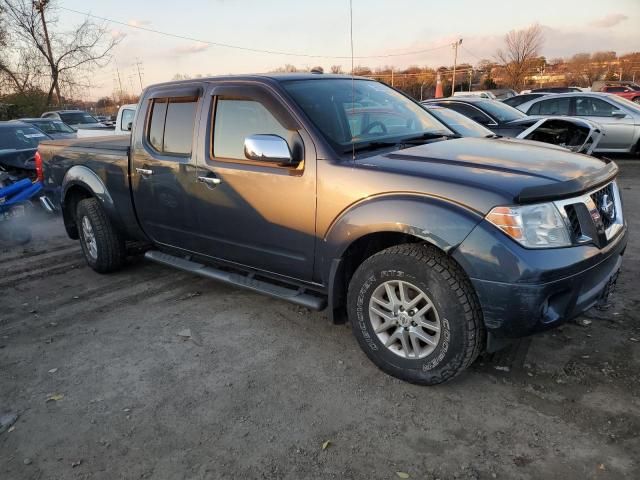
154, 373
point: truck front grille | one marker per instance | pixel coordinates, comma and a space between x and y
574, 222
605, 203
595, 217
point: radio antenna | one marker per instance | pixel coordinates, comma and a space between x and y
353, 87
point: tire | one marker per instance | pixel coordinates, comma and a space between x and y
636, 100
102, 245
460, 336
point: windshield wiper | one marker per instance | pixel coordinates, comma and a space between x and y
429, 136
370, 146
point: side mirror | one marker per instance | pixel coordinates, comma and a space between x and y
618, 114
129, 126
268, 148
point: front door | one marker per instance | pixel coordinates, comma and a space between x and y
163, 169
618, 130
250, 212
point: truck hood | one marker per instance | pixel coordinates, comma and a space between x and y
522, 172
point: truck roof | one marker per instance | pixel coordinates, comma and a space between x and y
264, 76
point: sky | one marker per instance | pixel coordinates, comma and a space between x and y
380, 27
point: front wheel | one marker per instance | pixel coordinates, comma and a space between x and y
415, 314
636, 100
102, 245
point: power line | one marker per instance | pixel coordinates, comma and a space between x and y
472, 54
247, 49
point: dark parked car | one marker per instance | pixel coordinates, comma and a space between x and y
579, 135
74, 118
465, 127
525, 97
18, 145
556, 90
56, 129
341, 193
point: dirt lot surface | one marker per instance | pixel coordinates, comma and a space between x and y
154, 373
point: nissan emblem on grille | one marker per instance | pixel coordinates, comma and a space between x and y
606, 207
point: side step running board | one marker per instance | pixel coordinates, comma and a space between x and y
248, 281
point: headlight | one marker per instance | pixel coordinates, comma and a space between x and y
533, 226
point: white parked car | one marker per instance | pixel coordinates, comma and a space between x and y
618, 117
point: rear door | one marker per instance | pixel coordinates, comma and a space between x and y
163, 168
255, 213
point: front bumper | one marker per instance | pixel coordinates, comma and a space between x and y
526, 291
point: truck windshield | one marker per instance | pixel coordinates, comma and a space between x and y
75, 118
362, 112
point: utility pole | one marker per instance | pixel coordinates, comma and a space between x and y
392, 76
455, 46
40, 7
470, 77
119, 80
139, 74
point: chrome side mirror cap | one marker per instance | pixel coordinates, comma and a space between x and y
268, 148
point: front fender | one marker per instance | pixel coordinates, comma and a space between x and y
435, 220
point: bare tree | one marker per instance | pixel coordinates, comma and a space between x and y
521, 50
64, 54
336, 69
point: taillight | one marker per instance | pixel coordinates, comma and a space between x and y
39, 171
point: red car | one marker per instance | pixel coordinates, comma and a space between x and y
629, 92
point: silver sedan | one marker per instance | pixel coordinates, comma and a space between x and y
618, 117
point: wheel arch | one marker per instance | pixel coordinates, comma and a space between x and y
381, 222
79, 183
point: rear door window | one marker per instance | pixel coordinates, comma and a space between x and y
555, 106
171, 124
156, 123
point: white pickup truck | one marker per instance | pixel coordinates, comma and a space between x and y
122, 126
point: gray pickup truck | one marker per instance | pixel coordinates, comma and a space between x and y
342, 193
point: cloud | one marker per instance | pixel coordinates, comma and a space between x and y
117, 35
195, 47
138, 23
609, 20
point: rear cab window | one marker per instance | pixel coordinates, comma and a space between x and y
126, 118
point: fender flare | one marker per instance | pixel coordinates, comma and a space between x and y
436, 220
81, 176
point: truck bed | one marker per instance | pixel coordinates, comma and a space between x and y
117, 143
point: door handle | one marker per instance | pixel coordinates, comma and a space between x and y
144, 171
210, 181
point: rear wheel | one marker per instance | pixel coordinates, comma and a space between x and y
636, 100
415, 314
102, 245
